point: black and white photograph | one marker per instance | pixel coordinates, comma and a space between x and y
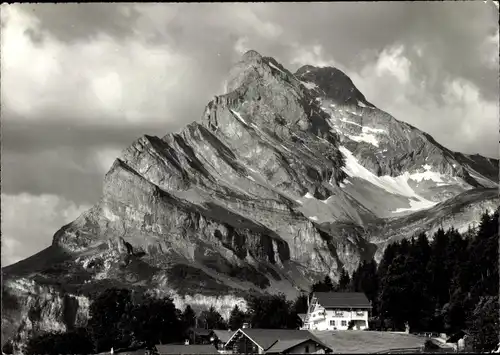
250, 178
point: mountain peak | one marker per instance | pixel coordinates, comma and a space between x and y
332, 83
251, 55
254, 67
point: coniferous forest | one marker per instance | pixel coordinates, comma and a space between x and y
443, 283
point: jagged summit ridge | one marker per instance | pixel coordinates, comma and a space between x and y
332, 83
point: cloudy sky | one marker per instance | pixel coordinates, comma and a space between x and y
81, 81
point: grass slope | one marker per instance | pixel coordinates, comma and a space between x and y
359, 341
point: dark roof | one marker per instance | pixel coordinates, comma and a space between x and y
223, 335
200, 331
131, 352
283, 345
342, 299
266, 338
185, 349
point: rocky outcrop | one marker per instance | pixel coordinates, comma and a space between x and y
286, 178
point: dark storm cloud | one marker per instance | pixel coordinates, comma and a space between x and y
20, 136
61, 157
69, 173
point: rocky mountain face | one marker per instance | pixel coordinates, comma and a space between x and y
286, 178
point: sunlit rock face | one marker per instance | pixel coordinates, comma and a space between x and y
285, 179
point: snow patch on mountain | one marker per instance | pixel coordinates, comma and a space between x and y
350, 122
238, 116
373, 130
364, 137
427, 175
366, 134
275, 67
394, 185
285, 148
309, 85
416, 205
305, 146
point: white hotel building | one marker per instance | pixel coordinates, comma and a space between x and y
334, 311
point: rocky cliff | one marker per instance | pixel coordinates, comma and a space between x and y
286, 178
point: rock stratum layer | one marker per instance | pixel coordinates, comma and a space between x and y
286, 178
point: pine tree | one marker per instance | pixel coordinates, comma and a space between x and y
328, 284
188, 317
109, 319
390, 253
395, 300
438, 270
236, 318
212, 319
441, 285
484, 324
344, 281
323, 286
272, 312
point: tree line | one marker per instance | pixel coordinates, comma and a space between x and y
446, 282
123, 319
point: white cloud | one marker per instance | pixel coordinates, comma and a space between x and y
29, 223
490, 51
241, 45
130, 81
265, 29
391, 62
105, 158
312, 55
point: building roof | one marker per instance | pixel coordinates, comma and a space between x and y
265, 338
185, 349
342, 299
284, 345
223, 335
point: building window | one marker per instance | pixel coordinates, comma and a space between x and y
339, 313
344, 323
332, 323
306, 350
